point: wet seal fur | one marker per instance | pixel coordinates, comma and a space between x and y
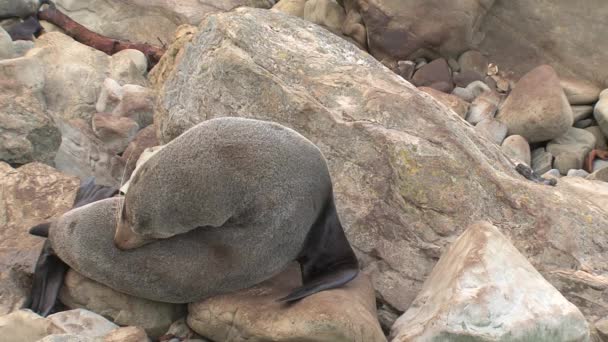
227, 205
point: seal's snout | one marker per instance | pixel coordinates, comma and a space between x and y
126, 239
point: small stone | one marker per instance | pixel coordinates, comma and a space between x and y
464, 78
483, 107
583, 123
179, 329
6, 45
327, 13
492, 129
571, 149
502, 84
135, 56
82, 322
577, 173
600, 174
21, 47
542, 160
600, 112
116, 132
581, 112
580, 92
453, 64
434, 72
453, 102
471, 91
127, 334
602, 328
70, 338
291, 7
406, 69
600, 139
553, 173
492, 69
517, 148
599, 164
473, 61
110, 96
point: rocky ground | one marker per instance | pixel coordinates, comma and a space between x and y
422, 108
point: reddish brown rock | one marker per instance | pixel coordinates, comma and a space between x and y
29, 195
144, 139
438, 71
115, 131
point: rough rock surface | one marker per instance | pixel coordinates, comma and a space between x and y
494, 130
26, 326
82, 154
27, 132
537, 108
127, 334
74, 74
453, 102
339, 315
571, 149
415, 25
154, 317
82, 322
542, 161
115, 131
521, 34
6, 45
408, 177
483, 289
182, 36
29, 195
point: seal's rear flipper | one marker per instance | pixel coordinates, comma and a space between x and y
41, 230
50, 270
327, 261
48, 278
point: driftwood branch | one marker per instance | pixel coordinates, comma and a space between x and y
95, 40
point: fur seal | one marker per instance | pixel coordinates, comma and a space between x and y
50, 269
226, 205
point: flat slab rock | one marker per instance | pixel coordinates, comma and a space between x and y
254, 315
483, 289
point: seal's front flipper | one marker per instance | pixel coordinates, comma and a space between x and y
48, 278
327, 261
89, 192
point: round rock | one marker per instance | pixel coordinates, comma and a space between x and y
517, 148
537, 108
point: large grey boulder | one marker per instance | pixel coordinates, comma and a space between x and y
18, 8
27, 131
409, 175
483, 289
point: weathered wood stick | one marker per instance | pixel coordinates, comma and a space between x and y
95, 40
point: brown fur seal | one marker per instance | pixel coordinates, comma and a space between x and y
228, 204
